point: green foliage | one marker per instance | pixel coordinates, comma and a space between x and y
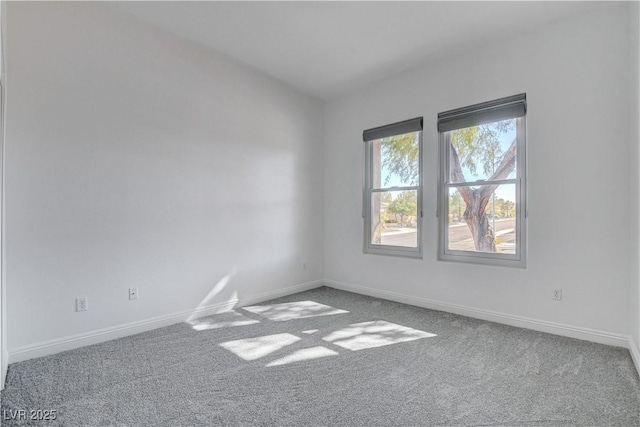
503, 208
406, 204
479, 146
457, 205
400, 157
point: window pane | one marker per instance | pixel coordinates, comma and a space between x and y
394, 217
395, 161
482, 152
487, 223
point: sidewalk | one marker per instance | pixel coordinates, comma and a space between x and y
395, 231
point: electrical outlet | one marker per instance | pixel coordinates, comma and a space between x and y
557, 294
82, 304
133, 293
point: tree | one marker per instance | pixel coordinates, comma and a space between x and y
503, 208
400, 157
406, 204
507, 208
455, 205
473, 147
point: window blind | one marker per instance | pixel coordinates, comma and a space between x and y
510, 107
400, 128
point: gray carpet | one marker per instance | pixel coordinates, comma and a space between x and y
331, 358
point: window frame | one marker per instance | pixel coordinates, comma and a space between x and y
519, 259
368, 191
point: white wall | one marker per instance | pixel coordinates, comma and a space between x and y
575, 74
4, 356
134, 159
634, 17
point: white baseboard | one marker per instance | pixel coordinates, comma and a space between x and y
290, 290
635, 353
585, 334
94, 337
4, 367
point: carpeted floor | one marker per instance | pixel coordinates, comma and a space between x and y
331, 358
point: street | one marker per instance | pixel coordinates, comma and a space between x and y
459, 236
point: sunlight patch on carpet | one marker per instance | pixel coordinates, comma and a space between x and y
294, 310
377, 333
255, 348
222, 320
304, 354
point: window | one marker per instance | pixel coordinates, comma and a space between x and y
393, 189
482, 183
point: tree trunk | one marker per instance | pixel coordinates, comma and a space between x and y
478, 223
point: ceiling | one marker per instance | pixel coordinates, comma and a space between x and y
328, 48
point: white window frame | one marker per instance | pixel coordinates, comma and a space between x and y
394, 129
471, 116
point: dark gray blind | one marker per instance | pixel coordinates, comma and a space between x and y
400, 128
493, 111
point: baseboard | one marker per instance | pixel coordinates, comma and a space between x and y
635, 353
265, 296
4, 367
585, 334
94, 337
